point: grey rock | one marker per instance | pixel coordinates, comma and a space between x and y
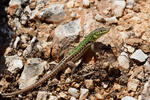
24, 19
53, 13
139, 55
128, 98
17, 23
33, 68
70, 29
13, 63
74, 92
42, 95
62, 95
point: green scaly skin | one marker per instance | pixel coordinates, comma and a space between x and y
73, 56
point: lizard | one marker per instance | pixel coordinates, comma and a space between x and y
72, 56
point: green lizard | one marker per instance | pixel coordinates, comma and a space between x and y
73, 56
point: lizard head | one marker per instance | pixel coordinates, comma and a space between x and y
99, 32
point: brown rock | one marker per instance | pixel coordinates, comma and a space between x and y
12, 9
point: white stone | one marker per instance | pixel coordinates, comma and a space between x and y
33, 68
16, 42
83, 93
119, 6
111, 20
74, 92
123, 61
73, 98
129, 48
70, 29
42, 95
14, 63
98, 17
130, 4
139, 55
133, 84
128, 98
86, 3
51, 97
62, 95
124, 35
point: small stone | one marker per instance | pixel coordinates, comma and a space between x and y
73, 98
83, 93
62, 95
42, 95
123, 61
118, 7
105, 84
124, 35
89, 84
128, 98
130, 4
99, 96
139, 55
112, 20
74, 92
16, 42
129, 48
86, 3
14, 63
51, 97
133, 84
71, 3
67, 71
99, 18
24, 19
147, 64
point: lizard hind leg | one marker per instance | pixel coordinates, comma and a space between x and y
73, 65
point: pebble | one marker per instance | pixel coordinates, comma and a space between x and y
123, 61
86, 3
130, 4
119, 6
124, 35
99, 18
42, 95
51, 97
139, 55
32, 69
83, 93
14, 63
70, 29
128, 98
89, 84
99, 96
62, 95
133, 84
73, 98
112, 20
129, 48
74, 92
16, 42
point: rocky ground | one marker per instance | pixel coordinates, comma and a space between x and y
37, 34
